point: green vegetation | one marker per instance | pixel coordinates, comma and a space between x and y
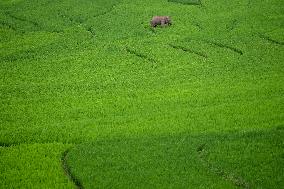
187, 2
228, 160
91, 96
33, 166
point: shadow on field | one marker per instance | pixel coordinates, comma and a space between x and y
5, 145
229, 160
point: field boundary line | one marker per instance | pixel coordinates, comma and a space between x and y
236, 180
68, 172
267, 38
185, 49
221, 45
35, 24
140, 55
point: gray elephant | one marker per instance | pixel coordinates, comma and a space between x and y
160, 20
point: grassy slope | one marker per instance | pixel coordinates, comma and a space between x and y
93, 73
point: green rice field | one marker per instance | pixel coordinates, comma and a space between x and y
91, 96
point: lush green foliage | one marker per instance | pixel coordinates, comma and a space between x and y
195, 105
33, 166
187, 2
247, 160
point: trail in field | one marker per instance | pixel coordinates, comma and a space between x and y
68, 172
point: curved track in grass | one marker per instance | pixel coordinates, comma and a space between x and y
68, 172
